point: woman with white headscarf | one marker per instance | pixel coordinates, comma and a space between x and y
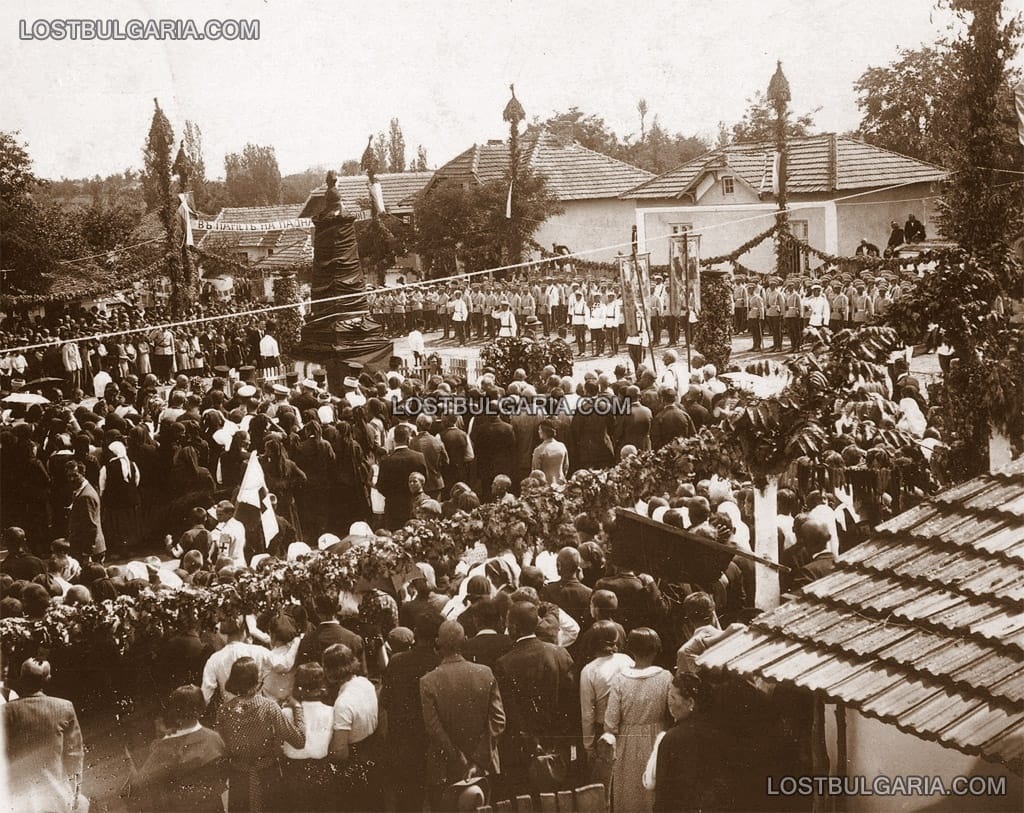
120, 499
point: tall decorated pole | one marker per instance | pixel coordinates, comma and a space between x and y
513, 114
158, 188
778, 95
182, 167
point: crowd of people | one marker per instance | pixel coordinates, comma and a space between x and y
513, 671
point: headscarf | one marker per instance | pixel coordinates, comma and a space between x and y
119, 452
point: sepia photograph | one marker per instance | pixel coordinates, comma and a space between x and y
507, 406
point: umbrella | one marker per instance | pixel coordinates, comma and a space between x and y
27, 398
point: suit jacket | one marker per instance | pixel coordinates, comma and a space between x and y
486, 649
634, 429
572, 596
525, 429
400, 697
393, 483
819, 566
85, 533
328, 633
464, 717
493, 442
456, 445
436, 456
671, 422
536, 684
590, 446
44, 752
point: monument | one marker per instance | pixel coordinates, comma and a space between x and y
339, 331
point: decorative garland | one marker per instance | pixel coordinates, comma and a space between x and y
68, 288
732, 256
532, 355
713, 331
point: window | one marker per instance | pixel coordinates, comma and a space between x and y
799, 229
680, 228
727, 186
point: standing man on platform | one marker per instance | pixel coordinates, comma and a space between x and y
459, 316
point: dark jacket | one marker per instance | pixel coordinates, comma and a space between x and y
821, 565
590, 443
393, 483
572, 596
456, 445
328, 633
85, 533
493, 445
671, 422
400, 697
464, 717
436, 456
487, 648
634, 429
537, 689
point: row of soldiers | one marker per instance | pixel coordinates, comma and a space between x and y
778, 309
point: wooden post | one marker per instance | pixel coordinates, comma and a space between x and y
766, 543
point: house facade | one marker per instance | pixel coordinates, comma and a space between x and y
840, 191
588, 184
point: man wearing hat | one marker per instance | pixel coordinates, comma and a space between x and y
579, 314
862, 306
819, 311
839, 307
459, 316
506, 320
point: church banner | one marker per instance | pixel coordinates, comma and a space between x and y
684, 275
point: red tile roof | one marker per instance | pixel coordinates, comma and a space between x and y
287, 247
399, 189
922, 626
820, 163
573, 172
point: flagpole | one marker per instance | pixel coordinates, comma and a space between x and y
643, 301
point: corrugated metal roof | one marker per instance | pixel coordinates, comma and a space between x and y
572, 171
921, 626
857, 166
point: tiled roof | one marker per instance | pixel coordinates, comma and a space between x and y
259, 214
279, 241
573, 172
821, 163
922, 626
399, 189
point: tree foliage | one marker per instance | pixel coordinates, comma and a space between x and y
758, 123
466, 229
396, 148
656, 149
253, 177
905, 105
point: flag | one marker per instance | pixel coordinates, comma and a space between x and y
185, 219
776, 172
254, 498
1018, 100
377, 197
508, 203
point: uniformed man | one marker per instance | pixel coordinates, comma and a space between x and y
579, 315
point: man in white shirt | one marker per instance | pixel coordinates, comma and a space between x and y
507, 328
416, 345
460, 313
99, 383
229, 534
820, 312
270, 353
579, 315
218, 665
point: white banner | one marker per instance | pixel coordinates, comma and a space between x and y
274, 225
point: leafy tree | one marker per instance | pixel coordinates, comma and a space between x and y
642, 109
420, 164
979, 209
351, 167
253, 177
758, 123
587, 129
17, 180
158, 187
192, 143
380, 151
466, 229
904, 105
396, 148
296, 188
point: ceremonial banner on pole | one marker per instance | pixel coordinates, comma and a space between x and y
684, 275
636, 286
1018, 101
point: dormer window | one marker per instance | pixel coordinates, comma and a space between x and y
727, 185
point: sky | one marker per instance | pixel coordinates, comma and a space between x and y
324, 75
